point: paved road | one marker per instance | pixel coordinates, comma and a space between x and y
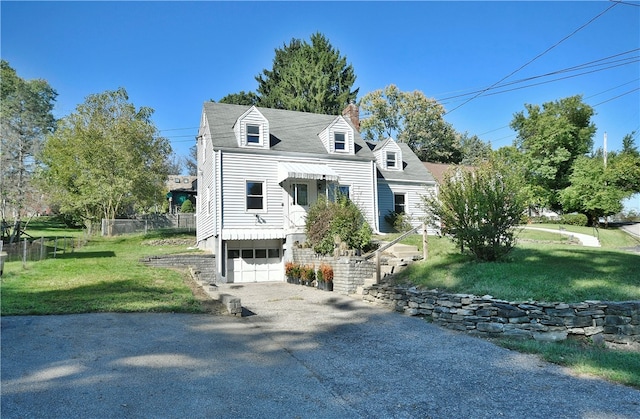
302, 353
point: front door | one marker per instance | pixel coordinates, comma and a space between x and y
299, 203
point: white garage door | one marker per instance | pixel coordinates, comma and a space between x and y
254, 261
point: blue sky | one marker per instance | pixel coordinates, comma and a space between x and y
173, 56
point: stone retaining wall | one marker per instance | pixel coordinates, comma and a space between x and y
203, 264
617, 322
348, 272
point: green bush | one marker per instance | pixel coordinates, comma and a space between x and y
342, 219
574, 219
187, 207
478, 208
399, 221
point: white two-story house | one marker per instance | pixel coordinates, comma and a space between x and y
259, 171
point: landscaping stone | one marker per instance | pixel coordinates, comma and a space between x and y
617, 322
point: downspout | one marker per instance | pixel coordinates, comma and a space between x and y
376, 216
221, 252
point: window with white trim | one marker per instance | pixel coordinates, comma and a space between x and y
255, 195
337, 191
399, 203
392, 160
339, 141
253, 134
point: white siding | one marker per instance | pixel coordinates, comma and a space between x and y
413, 201
252, 117
381, 155
238, 168
338, 125
206, 226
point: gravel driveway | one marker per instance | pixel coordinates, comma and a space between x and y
300, 353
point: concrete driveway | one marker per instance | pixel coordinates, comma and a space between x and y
301, 353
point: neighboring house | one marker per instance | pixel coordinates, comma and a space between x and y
402, 182
179, 189
260, 169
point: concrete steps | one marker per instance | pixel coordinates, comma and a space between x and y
404, 251
393, 260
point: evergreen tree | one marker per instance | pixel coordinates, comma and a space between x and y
309, 77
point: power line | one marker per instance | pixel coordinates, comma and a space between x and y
564, 70
535, 58
551, 81
616, 97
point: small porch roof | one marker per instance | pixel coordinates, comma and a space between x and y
291, 170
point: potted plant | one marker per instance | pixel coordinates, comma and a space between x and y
326, 272
292, 271
320, 279
308, 274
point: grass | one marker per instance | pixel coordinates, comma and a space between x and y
103, 276
545, 267
583, 357
552, 271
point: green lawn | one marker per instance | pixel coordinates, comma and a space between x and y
103, 276
545, 267
540, 268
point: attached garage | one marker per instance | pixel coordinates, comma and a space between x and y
254, 261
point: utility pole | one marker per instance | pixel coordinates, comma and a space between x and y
605, 150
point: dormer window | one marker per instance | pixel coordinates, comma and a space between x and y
253, 134
339, 141
391, 160
252, 129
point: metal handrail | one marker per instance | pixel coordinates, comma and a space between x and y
391, 243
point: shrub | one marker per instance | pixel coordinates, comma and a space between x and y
399, 221
308, 273
574, 219
479, 208
343, 219
187, 207
325, 273
292, 270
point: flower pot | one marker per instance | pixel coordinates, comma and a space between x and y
322, 285
329, 286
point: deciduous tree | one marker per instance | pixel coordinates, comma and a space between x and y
25, 118
412, 118
551, 138
104, 157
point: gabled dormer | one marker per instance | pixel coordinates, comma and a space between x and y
338, 137
252, 129
388, 155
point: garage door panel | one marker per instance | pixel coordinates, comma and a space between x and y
257, 261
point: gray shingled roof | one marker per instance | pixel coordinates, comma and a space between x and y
290, 131
413, 169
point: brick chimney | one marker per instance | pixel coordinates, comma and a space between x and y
353, 113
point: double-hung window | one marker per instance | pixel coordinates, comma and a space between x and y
255, 195
391, 160
399, 203
339, 141
253, 134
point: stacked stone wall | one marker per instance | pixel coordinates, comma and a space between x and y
203, 265
617, 322
348, 272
